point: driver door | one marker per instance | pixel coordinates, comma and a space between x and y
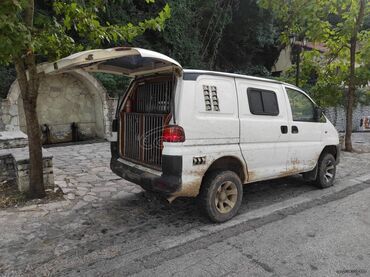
305, 133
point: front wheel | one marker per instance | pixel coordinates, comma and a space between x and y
326, 171
221, 195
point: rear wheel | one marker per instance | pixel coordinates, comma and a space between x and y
326, 171
221, 195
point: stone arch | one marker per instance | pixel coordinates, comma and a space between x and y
71, 96
102, 101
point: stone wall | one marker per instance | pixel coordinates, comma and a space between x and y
14, 165
12, 139
22, 170
7, 168
74, 97
337, 116
63, 99
9, 119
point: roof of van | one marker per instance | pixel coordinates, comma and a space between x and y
192, 74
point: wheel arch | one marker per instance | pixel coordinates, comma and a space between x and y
231, 163
332, 149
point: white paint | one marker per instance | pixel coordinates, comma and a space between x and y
100, 60
256, 140
263, 145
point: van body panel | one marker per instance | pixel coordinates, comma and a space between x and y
192, 174
308, 140
214, 126
265, 148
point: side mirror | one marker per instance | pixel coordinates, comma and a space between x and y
317, 114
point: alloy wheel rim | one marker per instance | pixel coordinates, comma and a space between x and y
329, 171
226, 197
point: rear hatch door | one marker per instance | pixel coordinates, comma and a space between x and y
126, 61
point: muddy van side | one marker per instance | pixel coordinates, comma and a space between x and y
204, 134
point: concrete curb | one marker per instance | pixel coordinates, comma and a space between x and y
204, 236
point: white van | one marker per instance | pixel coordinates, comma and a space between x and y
203, 134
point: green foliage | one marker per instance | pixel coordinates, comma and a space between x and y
333, 24
234, 36
7, 77
64, 27
14, 35
250, 43
114, 84
222, 35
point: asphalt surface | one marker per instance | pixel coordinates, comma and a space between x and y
328, 240
121, 230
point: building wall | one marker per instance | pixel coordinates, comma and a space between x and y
337, 116
283, 62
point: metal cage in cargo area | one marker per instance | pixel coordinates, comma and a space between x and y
146, 112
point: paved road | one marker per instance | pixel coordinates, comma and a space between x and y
328, 240
108, 224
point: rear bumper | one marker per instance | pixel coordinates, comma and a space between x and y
167, 183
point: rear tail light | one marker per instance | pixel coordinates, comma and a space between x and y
173, 133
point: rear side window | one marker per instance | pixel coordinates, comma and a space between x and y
262, 102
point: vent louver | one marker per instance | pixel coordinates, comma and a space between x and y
215, 99
211, 98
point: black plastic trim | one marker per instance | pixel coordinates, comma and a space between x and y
169, 182
193, 76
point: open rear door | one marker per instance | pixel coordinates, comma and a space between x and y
121, 60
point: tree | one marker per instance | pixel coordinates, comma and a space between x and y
338, 24
207, 34
31, 33
250, 41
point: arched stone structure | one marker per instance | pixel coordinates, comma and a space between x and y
65, 98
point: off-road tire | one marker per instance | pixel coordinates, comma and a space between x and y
211, 187
326, 171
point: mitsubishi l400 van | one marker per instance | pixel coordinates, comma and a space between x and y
194, 133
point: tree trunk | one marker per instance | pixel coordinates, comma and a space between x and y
37, 189
29, 90
28, 80
350, 97
351, 81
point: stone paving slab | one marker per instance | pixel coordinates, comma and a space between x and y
111, 222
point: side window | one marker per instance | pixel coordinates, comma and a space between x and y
262, 102
302, 107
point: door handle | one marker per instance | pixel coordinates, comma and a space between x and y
284, 129
294, 130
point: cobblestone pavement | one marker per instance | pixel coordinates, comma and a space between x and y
105, 218
83, 173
